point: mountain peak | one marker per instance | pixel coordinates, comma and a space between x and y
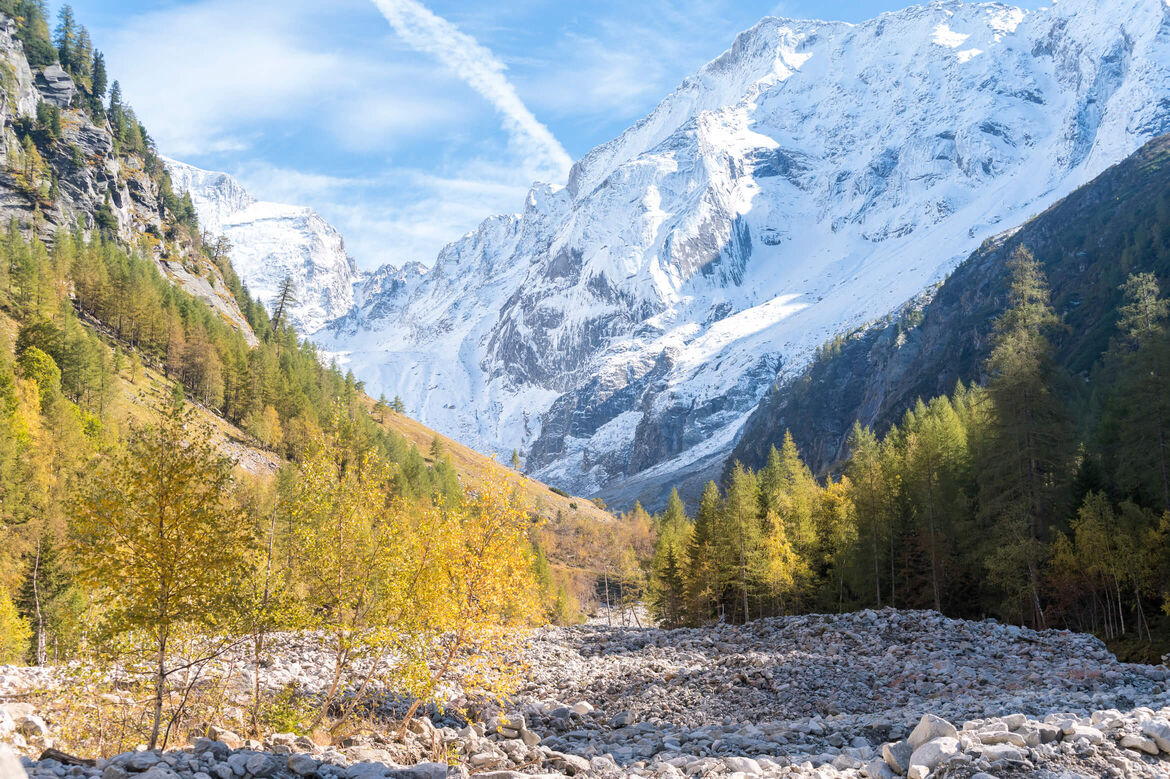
815, 176
274, 241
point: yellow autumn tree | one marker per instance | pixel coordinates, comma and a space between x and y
477, 595
781, 569
156, 538
356, 567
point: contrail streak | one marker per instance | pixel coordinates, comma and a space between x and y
476, 65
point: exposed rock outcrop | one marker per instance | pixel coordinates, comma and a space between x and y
813, 178
84, 175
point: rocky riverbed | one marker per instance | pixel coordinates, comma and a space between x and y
872, 694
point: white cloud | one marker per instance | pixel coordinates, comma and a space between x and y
212, 76
477, 66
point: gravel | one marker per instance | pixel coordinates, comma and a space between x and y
872, 694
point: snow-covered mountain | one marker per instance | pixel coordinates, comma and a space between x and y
814, 177
271, 241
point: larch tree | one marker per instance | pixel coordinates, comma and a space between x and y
286, 297
155, 536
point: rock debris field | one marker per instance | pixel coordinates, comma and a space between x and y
872, 694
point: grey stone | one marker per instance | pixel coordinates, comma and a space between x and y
1003, 737
743, 765
56, 86
1139, 744
420, 771
994, 753
261, 765
302, 764
930, 728
931, 755
1085, 733
897, 756
1159, 731
238, 762
158, 771
219, 750
142, 761
366, 771
232, 740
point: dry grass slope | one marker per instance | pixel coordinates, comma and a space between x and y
471, 466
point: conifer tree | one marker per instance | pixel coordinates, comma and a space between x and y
285, 298
154, 535
1026, 463
43, 585
1141, 397
704, 585
865, 474
741, 518
65, 37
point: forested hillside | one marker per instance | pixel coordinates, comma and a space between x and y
179, 471
1087, 244
1034, 489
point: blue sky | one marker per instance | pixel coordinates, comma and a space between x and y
406, 135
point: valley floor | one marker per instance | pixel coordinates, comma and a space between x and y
868, 694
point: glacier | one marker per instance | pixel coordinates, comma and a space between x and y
618, 331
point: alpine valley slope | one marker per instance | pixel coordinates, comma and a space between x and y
811, 179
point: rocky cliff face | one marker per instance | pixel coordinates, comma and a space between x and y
271, 242
813, 178
1088, 244
67, 181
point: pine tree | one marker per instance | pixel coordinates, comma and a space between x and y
1141, 397
703, 582
1026, 463
43, 585
742, 525
670, 595
65, 37
865, 474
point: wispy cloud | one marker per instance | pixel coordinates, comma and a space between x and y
220, 76
483, 72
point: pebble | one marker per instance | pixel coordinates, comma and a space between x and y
874, 694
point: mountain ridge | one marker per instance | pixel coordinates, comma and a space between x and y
1085, 244
621, 330
273, 241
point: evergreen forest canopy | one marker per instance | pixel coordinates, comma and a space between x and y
1000, 500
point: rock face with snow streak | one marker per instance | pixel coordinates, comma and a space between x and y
814, 177
271, 241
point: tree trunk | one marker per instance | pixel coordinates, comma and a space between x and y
933, 550
608, 608
37, 605
160, 680
877, 575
